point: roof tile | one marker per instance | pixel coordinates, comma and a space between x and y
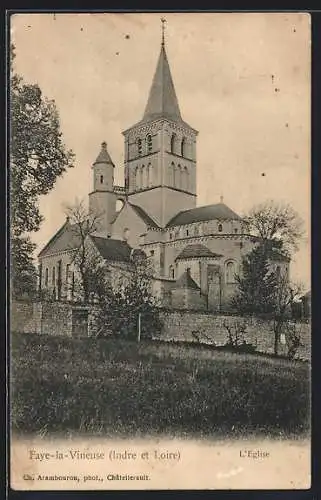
219, 211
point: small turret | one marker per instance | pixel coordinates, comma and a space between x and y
103, 170
102, 200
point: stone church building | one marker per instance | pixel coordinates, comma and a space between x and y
195, 250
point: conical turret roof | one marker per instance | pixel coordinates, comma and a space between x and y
104, 156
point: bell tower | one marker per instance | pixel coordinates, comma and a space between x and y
160, 151
102, 200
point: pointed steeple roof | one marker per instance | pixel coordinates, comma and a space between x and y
103, 156
162, 101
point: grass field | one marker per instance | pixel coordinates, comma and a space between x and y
117, 388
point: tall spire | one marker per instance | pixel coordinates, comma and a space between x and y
163, 20
162, 101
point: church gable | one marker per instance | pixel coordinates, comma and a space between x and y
66, 238
131, 222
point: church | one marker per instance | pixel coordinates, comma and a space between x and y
196, 251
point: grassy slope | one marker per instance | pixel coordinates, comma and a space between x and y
114, 387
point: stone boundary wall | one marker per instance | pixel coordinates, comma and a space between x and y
25, 316
56, 318
208, 328
44, 318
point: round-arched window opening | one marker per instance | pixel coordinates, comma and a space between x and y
230, 271
173, 140
139, 147
183, 147
149, 143
101, 179
220, 228
119, 205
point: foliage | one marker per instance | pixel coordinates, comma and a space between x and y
276, 222
256, 285
90, 267
131, 301
119, 303
113, 387
284, 297
38, 157
236, 331
23, 272
262, 291
293, 338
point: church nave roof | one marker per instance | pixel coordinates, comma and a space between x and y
218, 211
197, 250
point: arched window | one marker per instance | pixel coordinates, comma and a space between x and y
230, 271
149, 143
179, 176
235, 230
173, 140
144, 177
139, 147
183, 146
220, 228
147, 176
171, 174
150, 174
185, 179
137, 178
172, 272
119, 204
101, 179
175, 173
53, 275
46, 276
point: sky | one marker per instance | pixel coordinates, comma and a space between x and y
242, 80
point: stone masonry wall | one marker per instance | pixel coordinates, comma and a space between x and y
56, 319
210, 328
25, 316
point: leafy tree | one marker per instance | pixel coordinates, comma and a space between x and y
285, 294
276, 222
24, 275
256, 285
263, 292
88, 264
131, 299
38, 157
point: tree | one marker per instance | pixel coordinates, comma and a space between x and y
276, 222
256, 284
38, 157
24, 273
285, 294
90, 267
118, 300
133, 299
263, 292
